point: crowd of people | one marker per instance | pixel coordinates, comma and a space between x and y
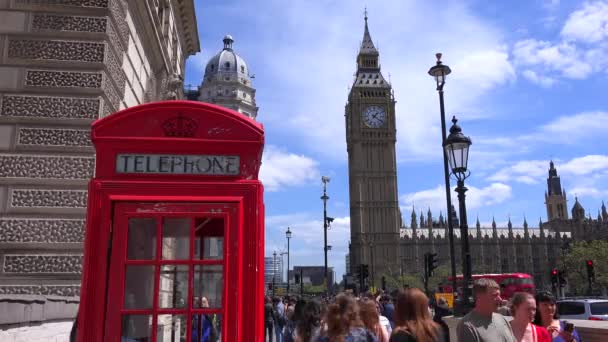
402, 316
408, 315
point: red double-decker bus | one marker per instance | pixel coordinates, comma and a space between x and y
509, 283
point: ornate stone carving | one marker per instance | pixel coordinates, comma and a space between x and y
48, 78
43, 290
77, 3
53, 167
56, 50
173, 86
69, 23
54, 137
42, 264
41, 230
32, 198
49, 107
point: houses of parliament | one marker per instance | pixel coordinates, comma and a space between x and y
380, 239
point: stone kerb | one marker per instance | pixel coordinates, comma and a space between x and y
31, 309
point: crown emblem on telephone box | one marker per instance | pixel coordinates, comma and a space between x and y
180, 126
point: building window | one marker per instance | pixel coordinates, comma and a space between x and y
227, 65
212, 67
242, 69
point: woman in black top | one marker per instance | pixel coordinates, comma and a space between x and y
413, 320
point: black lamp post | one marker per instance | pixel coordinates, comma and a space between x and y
440, 71
288, 235
456, 147
274, 271
325, 180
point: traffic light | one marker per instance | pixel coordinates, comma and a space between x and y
554, 277
590, 271
297, 278
364, 271
432, 263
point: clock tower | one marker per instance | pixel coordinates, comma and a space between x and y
375, 217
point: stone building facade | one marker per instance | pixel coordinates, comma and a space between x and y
63, 64
505, 249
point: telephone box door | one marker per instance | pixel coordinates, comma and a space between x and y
173, 273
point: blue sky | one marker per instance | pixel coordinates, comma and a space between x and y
528, 85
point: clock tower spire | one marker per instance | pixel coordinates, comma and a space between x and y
372, 166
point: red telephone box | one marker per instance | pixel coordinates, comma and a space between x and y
175, 227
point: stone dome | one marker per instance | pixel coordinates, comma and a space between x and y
227, 63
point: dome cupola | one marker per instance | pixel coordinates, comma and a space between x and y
227, 81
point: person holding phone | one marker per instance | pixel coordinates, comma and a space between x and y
547, 316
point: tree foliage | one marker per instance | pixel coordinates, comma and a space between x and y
574, 262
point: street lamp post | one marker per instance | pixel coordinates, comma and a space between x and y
288, 235
440, 71
456, 147
274, 272
325, 180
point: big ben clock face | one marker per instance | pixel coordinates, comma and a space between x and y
374, 116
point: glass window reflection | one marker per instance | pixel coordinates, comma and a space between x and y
136, 328
139, 286
208, 286
171, 328
173, 286
141, 243
176, 237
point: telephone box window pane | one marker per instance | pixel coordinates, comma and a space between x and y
208, 286
213, 248
139, 286
209, 326
173, 286
176, 237
209, 243
136, 328
172, 328
142, 238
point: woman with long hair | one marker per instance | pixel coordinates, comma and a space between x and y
370, 316
343, 323
413, 321
523, 308
310, 322
547, 317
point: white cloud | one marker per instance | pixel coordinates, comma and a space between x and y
562, 57
588, 24
543, 81
535, 171
589, 192
573, 128
281, 169
579, 52
525, 171
586, 165
578, 129
434, 198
